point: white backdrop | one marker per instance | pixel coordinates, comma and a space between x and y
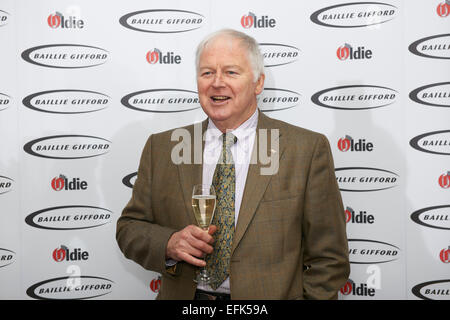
84, 83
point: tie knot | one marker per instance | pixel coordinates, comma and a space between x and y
228, 140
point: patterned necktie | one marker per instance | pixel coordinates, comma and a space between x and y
224, 182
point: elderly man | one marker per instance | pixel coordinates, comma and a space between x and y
284, 236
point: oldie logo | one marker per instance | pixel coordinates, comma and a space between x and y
129, 179
362, 251
444, 255
275, 54
5, 101
357, 289
162, 21
58, 20
273, 99
4, 18
5, 184
252, 21
361, 217
68, 147
346, 51
66, 56
87, 287
347, 143
433, 290
63, 253
162, 100
444, 180
67, 101
436, 142
63, 183
156, 56
7, 257
434, 95
155, 284
355, 97
437, 217
69, 218
443, 9
362, 179
435, 47
354, 15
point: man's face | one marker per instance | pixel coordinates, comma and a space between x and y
225, 83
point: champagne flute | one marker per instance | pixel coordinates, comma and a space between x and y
203, 204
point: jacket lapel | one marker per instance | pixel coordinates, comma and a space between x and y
256, 182
191, 173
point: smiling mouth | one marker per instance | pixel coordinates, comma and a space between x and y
220, 98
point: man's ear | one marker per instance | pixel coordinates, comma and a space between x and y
260, 84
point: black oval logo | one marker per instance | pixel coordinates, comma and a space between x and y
5, 101
4, 18
273, 99
432, 95
73, 288
162, 21
362, 179
355, 97
65, 56
436, 142
162, 100
5, 184
129, 179
68, 147
354, 15
432, 47
67, 101
6, 257
363, 251
432, 290
74, 217
437, 217
276, 54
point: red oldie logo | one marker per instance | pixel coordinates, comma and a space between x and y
59, 254
156, 56
57, 20
344, 143
348, 52
443, 9
444, 180
252, 21
155, 284
348, 144
444, 255
58, 182
347, 288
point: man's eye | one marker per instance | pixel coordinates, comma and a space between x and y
232, 72
206, 73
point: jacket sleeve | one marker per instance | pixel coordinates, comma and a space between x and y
326, 262
138, 235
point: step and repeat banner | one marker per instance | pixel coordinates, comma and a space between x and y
84, 83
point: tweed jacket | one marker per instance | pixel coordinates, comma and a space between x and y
290, 240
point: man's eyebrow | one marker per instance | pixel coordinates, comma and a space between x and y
226, 66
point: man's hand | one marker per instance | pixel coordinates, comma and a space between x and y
191, 243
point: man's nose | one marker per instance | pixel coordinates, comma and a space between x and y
218, 80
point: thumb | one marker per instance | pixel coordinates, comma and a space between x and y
212, 229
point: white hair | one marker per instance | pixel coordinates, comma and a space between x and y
254, 54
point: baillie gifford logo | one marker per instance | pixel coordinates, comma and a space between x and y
349, 144
58, 20
348, 52
158, 57
252, 21
443, 9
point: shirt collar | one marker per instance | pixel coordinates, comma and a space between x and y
244, 131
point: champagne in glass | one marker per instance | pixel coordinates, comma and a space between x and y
203, 205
